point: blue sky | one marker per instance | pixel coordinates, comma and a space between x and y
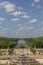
21, 18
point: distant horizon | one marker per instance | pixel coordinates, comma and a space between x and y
21, 37
21, 18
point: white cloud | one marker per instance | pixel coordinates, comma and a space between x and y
41, 29
42, 22
33, 4
25, 16
9, 7
20, 7
2, 19
16, 13
6, 29
2, 33
15, 19
22, 28
2, 4
36, 0
38, 6
19, 25
29, 28
0, 22
33, 21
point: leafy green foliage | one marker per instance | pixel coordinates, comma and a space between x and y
33, 51
35, 42
7, 42
10, 51
12, 42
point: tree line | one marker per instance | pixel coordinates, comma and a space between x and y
6, 42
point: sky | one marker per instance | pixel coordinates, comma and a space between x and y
21, 18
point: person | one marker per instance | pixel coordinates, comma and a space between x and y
10, 63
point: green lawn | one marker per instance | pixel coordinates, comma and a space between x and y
14, 64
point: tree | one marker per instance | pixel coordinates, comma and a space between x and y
10, 51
